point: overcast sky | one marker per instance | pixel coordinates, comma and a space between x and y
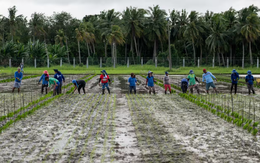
80, 8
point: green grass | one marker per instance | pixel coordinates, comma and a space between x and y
124, 70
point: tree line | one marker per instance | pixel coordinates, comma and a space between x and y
133, 33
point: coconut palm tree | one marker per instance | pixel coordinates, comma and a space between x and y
193, 31
217, 40
79, 36
251, 31
115, 37
88, 35
156, 26
107, 19
133, 20
36, 24
61, 38
13, 21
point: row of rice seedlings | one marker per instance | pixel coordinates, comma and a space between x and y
91, 129
75, 100
165, 141
87, 123
138, 132
69, 104
149, 127
89, 98
108, 122
234, 118
113, 132
76, 106
103, 119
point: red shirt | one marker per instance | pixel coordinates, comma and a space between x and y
104, 79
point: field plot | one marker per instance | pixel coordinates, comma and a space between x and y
126, 128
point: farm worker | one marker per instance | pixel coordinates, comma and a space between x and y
192, 81
207, 77
18, 75
58, 75
234, 79
250, 82
22, 66
44, 82
166, 82
150, 82
184, 85
132, 83
104, 78
55, 82
78, 85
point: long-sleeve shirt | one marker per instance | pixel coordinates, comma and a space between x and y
250, 79
234, 78
59, 76
43, 79
52, 81
208, 77
19, 76
166, 80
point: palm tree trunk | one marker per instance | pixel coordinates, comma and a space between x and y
154, 49
201, 51
194, 53
79, 52
94, 48
88, 50
125, 52
137, 54
112, 51
105, 49
223, 60
185, 49
131, 49
250, 53
231, 57
67, 51
243, 59
218, 59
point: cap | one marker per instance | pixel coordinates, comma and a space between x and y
45, 72
56, 70
204, 69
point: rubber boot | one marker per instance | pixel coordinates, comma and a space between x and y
103, 91
165, 92
198, 91
108, 90
153, 92
253, 91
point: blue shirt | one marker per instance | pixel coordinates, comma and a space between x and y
43, 79
234, 78
19, 76
132, 81
185, 81
250, 79
150, 81
59, 77
208, 77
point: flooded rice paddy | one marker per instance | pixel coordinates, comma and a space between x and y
126, 128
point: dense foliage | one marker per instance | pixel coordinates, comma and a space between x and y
133, 33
